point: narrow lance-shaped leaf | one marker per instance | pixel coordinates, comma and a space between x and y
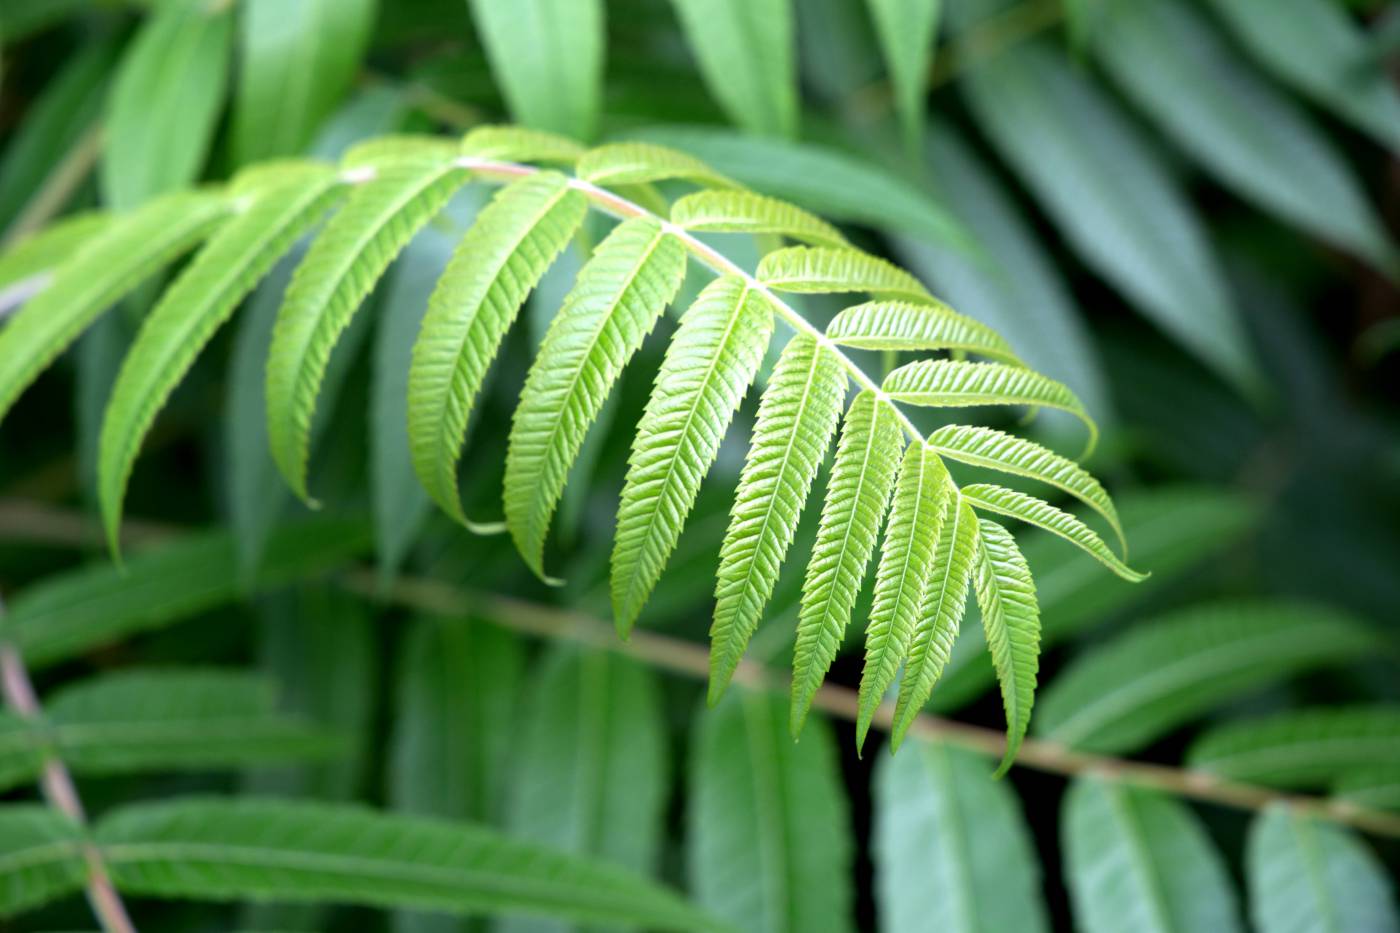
747, 212
1176, 66
745, 52
940, 615
953, 383
1319, 48
1137, 687
916, 514
952, 851
1305, 875
501, 258
796, 419
905, 325
167, 92
302, 851
547, 56
1011, 622
520, 144
1298, 749
708, 366
340, 268
191, 310
41, 857
127, 252
995, 450
820, 269
1033, 511
1138, 860
618, 297
907, 31
298, 60
158, 720
27, 267
867, 458
621, 164
769, 842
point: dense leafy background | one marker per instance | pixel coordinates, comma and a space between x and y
1183, 209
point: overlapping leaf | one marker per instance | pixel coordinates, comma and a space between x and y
903, 325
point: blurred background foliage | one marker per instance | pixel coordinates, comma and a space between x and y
1184, 209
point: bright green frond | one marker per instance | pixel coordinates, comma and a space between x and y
620, 294
711, 361
905, 325
954, 383
129, 250
41, 857
1042, 514
513, 242
341, 267
191, 310
867, 458
520, 144
837, 269
940, 613
643, 163
384, 151
46, 250
1011, 622
996, 450
796, 418
747, 212
916, 513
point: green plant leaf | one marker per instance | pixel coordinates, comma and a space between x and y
940, 614
840, 185
1007, 453
917, 512
520, 144
621, 164
514, 240
1183, 74
1121, 696
155, 720
747, 212
1014, 287
858, 493
1037, 512
797, 416
349, 254
1318, 47
1299, 749
907, 30
69, 613
1109, 193
746, 51
619, 295
952, 851
1376, 788
1011, 624
1137, 860
298, 61
547, 56
904, 325
216, 849
1307, 875
959, 384
767, 819
821, 269
166, 96
1173, 530
592, 774
125, 253
41, 857
38, 255
711, 360
229, 266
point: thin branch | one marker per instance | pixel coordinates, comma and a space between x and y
59, 791
688, 658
